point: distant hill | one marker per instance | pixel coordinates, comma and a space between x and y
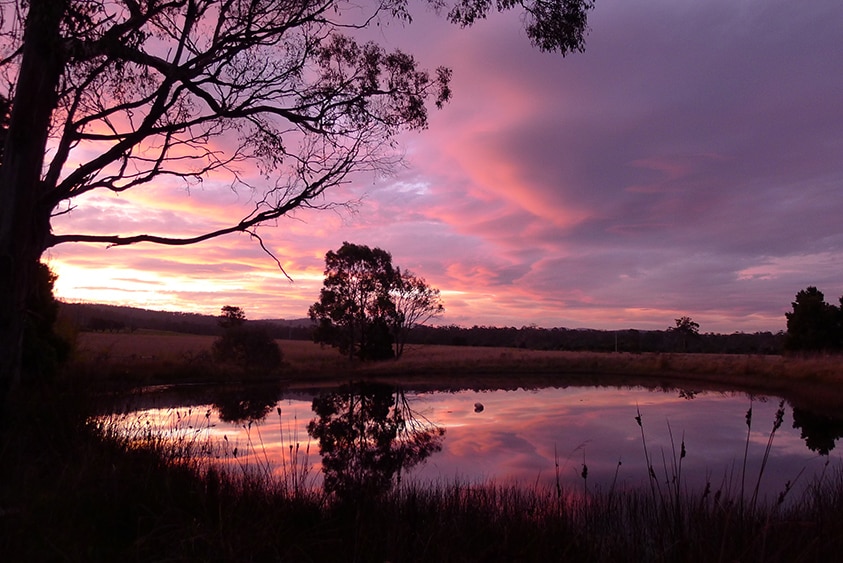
100, 317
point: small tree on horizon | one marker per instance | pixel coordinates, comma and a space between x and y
249, 348
686, 328
231, 317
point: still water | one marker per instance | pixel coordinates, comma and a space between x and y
582, 437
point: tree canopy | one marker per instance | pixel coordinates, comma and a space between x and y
249, 348
366, 305
813, 324
115, 95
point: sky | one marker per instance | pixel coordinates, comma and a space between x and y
689, 162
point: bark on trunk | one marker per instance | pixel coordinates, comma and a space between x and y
24, 215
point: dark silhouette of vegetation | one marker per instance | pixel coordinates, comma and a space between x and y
231, 317
99, 324
131, 92
528, 337
251, 348
629, 340
814, 325
820, 431
44, 350
686, 329
354, 304
366, 304
416, 303
243, 403
368, 435
98, 317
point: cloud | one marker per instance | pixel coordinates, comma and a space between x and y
686, 163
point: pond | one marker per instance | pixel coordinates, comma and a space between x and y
580, 437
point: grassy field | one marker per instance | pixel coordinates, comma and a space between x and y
149, 358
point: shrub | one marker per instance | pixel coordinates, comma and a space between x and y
250, 348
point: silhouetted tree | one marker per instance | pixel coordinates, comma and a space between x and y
367, 435
415, 303
5, 114
686, 329
249, 347
813, 323
354, 310
231, 317
128, 92
43, 350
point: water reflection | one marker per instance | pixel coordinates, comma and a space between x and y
368, 435
242, 403
819, 431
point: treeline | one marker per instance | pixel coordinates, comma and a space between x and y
115, 318
629, 340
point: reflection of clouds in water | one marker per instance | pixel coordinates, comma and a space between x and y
521, 434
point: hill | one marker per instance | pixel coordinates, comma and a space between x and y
115, 318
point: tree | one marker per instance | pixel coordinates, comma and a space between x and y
686, 328
354, 310
43, 350
249, 348
813, 325
113, 95
415, 303
231, 317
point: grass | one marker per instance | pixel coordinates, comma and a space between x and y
152, 358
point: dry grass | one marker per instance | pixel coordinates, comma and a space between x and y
145, 356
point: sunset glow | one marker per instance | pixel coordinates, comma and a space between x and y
688, 163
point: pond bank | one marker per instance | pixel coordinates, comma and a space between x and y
143, 359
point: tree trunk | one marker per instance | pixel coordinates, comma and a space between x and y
24, 215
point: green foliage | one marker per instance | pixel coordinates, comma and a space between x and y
813, 325
251, 348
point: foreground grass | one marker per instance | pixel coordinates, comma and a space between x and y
74, 491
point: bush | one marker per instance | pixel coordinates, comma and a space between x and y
250, 348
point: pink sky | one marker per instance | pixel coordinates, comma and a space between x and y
690, 162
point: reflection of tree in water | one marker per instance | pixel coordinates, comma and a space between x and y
246, 402
820, 432
367, 435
